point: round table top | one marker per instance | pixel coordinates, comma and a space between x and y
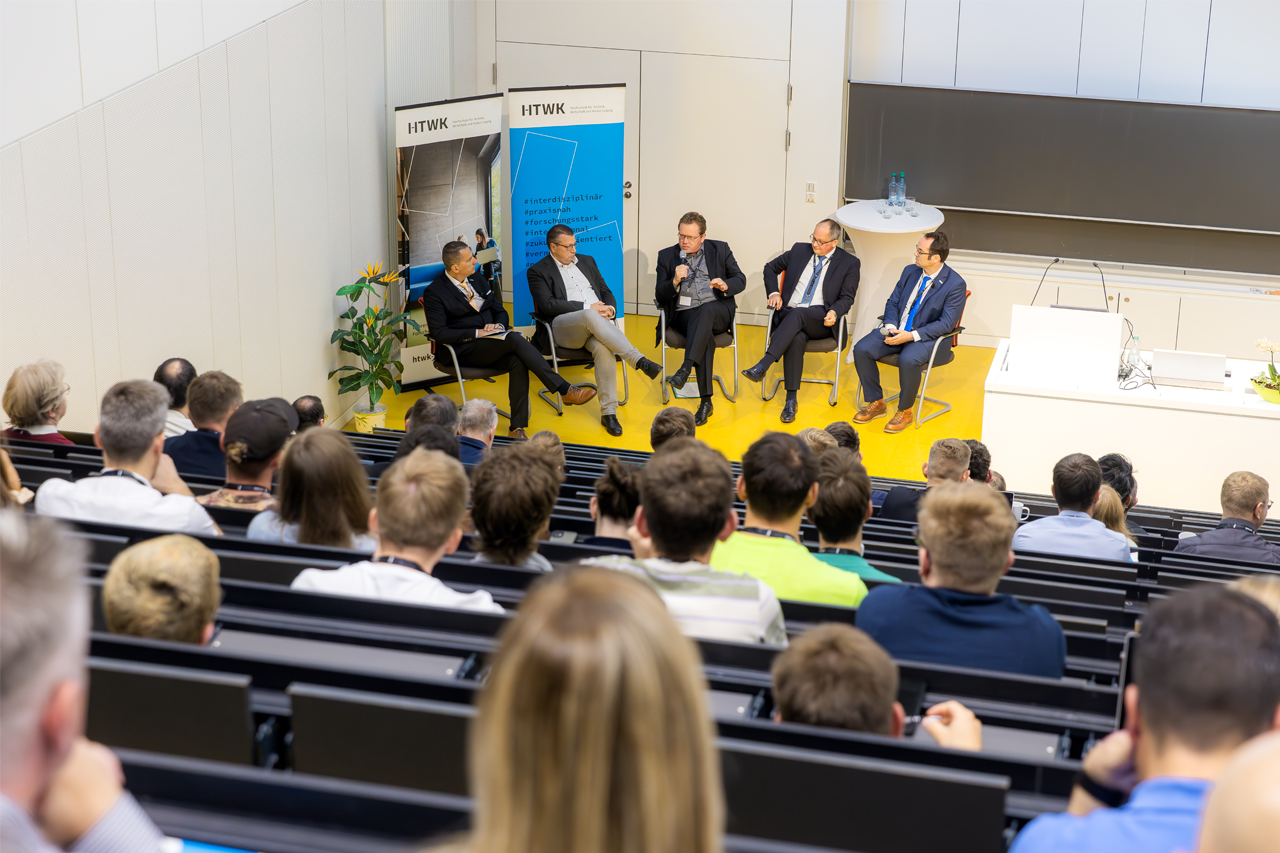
862, 216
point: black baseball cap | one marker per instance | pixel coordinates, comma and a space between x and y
263, 425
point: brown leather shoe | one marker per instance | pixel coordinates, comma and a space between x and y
870, 412
900, 421
518, 434
577, 395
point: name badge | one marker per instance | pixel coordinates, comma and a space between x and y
686, 301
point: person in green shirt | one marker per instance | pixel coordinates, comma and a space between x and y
843, 505
779, 482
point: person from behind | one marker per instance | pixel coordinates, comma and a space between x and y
818, 440
846, 436
35, 400
1110, 511
686, 507
1243, 815
1206, 679
779, 482
57, 790
176, 375
979, 461
212, 397
613, 506
254, 439
513, 492
323, 496
477, 425
948, 463
428, 437
1246, 500
955, 616
1074, 532
1262, 588
1117, 472
422, 500
842, 507
671, 423
835, 675
432, 409
163, 589
138, 485
310, 411
997, 481
549, 443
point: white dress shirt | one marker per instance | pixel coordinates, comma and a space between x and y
906, 309
126, 498
123, 828
391, 582
797, 295
40, 429
576, 286
176, 423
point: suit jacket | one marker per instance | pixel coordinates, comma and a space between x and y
450, 317
942, 307
839, 283
902, 503
720, 264
546, 286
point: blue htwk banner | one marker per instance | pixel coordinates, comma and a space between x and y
566, 167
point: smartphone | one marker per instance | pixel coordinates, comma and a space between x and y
1126, 673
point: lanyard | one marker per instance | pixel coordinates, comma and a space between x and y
772, 534
839, 551
245, 487
408, 564
119, 472
1224, 525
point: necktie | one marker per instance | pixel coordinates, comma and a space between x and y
813, 280
475, 300
911, 315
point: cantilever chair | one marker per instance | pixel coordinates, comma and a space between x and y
671, 339
822, 345
580, 357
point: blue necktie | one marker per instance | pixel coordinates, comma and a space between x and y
911, 315
813, 280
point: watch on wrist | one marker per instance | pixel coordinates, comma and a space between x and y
1109, 797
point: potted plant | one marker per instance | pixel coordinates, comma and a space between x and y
371, 337
1267, 382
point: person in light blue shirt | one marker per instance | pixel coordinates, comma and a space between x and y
1206, 680
1074, 532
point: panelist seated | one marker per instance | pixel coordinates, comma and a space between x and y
926, 304
697, 282
819, 288
464, 313
569, 291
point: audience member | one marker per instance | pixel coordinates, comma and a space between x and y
432, 408
139, 485
997, 482
1243, 815
1263, 588
846, 436
477, 425
1110, 511
212, 397
842, 507
310, 411
1246, 498
948, 463
513, 492
1117, 472
686, 507
955, 615
164, 589
614, 504
1074, 532
593, 732
779, 482
979, 461
835, 675
669, 423
428, 436
418, 519
323, 496
58, 790
818, 440
549, 443
176, 375
35, 400
1206, 679
254, 440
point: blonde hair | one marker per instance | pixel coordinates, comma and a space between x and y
164, 588
949, 459
819, 440
967, 529
422, 499
549, 443
1263, 588
1110, 511
34, 390
593, 731
1242, 491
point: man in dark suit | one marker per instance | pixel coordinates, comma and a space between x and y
948, 463
821, 280
568, 290
463, 312
697, 282
926, 305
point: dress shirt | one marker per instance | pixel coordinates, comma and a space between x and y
468, 292
268, 527
125, 828
696, 286
1072, 534
176, 423
392, 582
126, 498
48, 433
576, 286
906, 309
797, 295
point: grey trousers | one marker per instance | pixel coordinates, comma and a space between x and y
587, 329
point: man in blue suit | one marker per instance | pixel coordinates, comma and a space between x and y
926, 305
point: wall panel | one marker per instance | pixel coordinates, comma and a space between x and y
876, 40
1240, 68
37, 36
99, 246
224, 18
416, 72
179, 30
995, 52
15, 271
1111, 48
340, 268
929, 46
1173, 50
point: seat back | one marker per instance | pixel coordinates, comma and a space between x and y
955, 339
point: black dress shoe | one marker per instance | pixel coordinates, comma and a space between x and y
756, 374
649, 368
681, 376
611, 425
789, 412
704, 412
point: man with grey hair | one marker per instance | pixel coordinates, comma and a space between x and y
57, 790
948, 463
139, 484
477, 424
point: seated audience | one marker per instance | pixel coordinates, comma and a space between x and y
818, 440
846, 436
432, 408
955, 616
842, 507
1246, 498
948, 463
1074, 532
549, 443
997, 482
176, 375
669, 423
513, 492
138, 485
254, 439
58, 790
593, 731
779, 482
835, 675
614, 504
1263, 588
979, 461
686, 507
310, 411
1110, 511
428, 436
164, 589
417, 520
1117, 472
477, 425
1243, 815
323, 496
1206, 678
212, 397
35, 400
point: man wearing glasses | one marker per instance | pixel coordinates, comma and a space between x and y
697, 282
568, 290
925, 305
820, 283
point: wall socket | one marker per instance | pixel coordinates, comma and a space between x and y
810, 198
810, 187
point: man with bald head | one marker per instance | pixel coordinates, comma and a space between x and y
1243, 815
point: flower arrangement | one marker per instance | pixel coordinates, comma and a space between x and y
1267, 382
371, 334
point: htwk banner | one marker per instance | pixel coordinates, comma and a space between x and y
566, 149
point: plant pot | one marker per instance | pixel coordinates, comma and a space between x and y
1271, 395
367, 419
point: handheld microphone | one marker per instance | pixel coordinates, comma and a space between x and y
1105, 301
684, 256
1042, 275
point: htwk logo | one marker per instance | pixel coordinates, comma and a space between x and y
429, 124
541, 109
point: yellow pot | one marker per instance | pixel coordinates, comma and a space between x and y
367, 420
1271, 395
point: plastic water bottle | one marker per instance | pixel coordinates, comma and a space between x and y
902, 189
1133, 356
893, 189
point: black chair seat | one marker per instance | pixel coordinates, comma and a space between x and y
445, 365
675, 340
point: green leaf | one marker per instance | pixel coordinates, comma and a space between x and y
416, 327
333, 373
349, 346
349, 314
399, 335
375, 394
351, 383
353, 289
338, 334
398, 365
397, 387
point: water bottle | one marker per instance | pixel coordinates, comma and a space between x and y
1133, 357
893, 188
902, 189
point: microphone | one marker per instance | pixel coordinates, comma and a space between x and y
684, 256
1105, 300
1042, 275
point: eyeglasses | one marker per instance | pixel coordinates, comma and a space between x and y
926, 254
572, 245
813, 238
683, 237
